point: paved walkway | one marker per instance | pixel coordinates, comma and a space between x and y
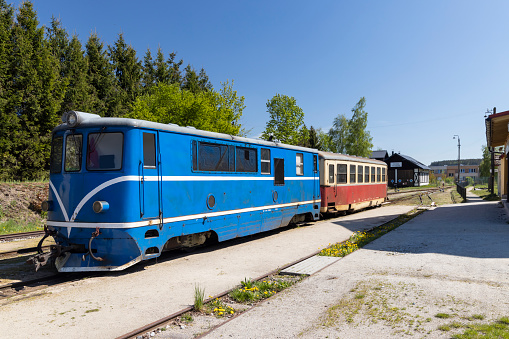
452, 260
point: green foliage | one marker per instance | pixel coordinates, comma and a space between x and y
485, 166
349, 136
199, 297
286, 120
44, 72
210, 110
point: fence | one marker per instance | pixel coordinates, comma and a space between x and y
462, 191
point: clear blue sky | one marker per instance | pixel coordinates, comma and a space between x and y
428, 69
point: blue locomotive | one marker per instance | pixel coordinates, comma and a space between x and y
125, 190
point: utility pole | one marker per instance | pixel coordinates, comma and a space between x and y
454, 137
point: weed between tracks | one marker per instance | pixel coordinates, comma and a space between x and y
360, 239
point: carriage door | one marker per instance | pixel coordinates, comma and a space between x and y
150, 179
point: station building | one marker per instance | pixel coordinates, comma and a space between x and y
404, 171
497, 135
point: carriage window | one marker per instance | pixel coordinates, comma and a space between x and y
73, 146
373, 174
331, 174
279, 172
341, 174
352, 174
149, 150
360, 175
56, 155
215, 157
383, 174
378, 174
300, 164
366, 174
246, 160
265, 161
104, 151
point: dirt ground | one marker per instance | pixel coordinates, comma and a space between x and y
22, 201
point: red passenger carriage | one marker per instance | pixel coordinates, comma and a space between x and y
349, 183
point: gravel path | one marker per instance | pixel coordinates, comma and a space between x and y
113, 304
452, 262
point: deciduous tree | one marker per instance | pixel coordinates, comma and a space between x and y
286, 120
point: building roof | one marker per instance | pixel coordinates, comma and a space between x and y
497, 128
410, 159
382, 154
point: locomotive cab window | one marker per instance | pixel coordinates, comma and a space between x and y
366, 174
104, 151
265, 161
73, 149
331, 174
57, 145
149, 150
342, 175
246, 159
360, 175
300, 164
352, 174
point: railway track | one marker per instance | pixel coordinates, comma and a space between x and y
23, 235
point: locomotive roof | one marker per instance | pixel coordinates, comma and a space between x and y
345, 157
94, 120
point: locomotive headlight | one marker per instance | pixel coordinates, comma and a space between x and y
101, 206
72, 119
47, 205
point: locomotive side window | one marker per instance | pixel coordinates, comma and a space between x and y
149, 150
279, 172
265, 161
373, 174
56, 154
331, 174
342, 175
383, 174
300, 164
378, 174
215, 157
360, 175
352, 174
246, 159
366, 174
315, 163
73, 147
104, 151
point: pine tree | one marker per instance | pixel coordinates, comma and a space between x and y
175, 76
100, 76
148, 78
34, 96
127, 70
162, 71
190, 81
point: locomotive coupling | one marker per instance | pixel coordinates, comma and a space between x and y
42, 258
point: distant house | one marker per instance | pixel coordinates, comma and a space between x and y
449, 168
405, 171
381, 155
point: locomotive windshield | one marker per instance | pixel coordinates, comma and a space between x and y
104, 151
56, 154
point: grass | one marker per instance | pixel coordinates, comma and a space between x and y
360, 239
199, 297
252, 291
485, 194
496, 330
12, 226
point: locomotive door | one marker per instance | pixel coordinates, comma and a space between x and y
151, 179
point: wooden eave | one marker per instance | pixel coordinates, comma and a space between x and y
497, 129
